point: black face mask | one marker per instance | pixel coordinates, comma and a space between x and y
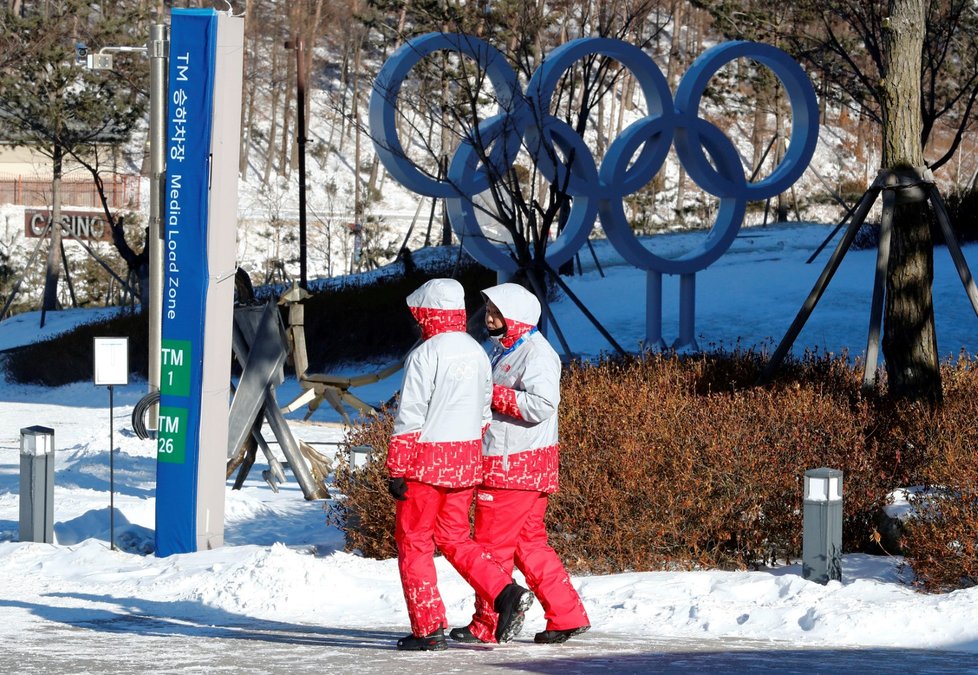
498, 332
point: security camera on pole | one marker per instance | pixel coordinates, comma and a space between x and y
157, 49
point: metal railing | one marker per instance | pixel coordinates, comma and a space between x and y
121, 190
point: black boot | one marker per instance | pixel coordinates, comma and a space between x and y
429, 643
510, 604
464, 635
553, 637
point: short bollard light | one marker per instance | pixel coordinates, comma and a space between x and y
37, 484
822, 522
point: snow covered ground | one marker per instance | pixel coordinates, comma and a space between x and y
282, 595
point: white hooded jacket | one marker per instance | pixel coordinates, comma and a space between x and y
521, 450
445, 394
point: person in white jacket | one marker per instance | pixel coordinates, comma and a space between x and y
520, 467
434, 461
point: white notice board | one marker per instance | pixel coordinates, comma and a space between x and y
111, 360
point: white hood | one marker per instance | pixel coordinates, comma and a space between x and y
438, 294
515, 302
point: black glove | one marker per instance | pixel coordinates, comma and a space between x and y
398, 488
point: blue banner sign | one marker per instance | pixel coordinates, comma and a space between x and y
189, 118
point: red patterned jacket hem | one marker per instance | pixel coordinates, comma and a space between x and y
442, 463
535, 469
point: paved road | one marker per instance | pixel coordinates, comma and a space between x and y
99, 641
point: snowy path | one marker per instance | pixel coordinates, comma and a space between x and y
98, 641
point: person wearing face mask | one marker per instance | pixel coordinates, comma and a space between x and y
520, 456
434, 461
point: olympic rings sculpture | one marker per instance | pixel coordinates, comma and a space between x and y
525, 121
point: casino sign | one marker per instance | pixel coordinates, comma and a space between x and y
86, 225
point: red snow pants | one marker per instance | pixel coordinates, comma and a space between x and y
510, 524
434, 515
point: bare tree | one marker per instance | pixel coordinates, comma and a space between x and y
137, 262
845, 43
524, 205
908, 65
52, 104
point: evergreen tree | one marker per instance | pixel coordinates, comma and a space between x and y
54, 104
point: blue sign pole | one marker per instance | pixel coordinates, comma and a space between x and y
190, 101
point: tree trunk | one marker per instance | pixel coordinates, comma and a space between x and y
627, 90
675, 46
757, 138
909, 339
249, 89
444, 147
273, 117
680, 208
357, 180
782, 209
599, 126
311, 31
288, 136
53, 270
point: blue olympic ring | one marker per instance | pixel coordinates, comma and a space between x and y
670, 122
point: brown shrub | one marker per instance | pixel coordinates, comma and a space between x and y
365, 512
664, 463
670, 461
941, 539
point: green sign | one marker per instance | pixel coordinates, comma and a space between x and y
171, 440
175, 359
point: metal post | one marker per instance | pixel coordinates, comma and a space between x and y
111, 474
300, 79
687, 313
653, 311
862, 210
960, 264
822, 521
879, 291
37, 484
158, 49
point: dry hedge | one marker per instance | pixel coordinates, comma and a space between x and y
941, 541
679, 461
